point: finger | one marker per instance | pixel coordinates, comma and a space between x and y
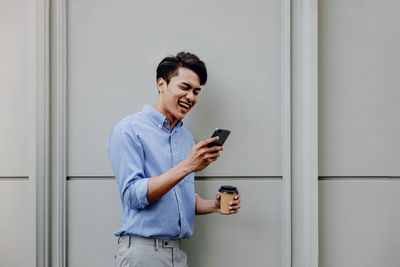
215, 149
218, 196
237, 197
200, 144
211, 160
235, 207
235, 202
210, 140
215, 158
203, 151
212, 155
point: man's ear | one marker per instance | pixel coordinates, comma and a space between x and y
162, 85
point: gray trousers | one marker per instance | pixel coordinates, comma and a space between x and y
133, 251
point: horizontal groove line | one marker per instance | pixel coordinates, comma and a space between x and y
99, 177
12, 178
383, 177
238, 177
72, 178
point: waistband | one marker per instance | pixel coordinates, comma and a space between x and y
156, 242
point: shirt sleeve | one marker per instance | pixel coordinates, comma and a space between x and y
126, 155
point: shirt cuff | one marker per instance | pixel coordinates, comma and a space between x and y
142, 186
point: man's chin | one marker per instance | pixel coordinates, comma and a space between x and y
182, 112
178, 116
181, 117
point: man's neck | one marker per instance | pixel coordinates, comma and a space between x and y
172, 121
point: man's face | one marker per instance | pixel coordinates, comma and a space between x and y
178, 97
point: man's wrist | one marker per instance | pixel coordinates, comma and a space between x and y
186, 168
215, 205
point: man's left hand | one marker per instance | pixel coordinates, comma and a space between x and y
234, 205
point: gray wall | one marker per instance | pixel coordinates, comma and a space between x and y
14, 88
359, 133
17, 216
112, 74
359, 222
112, 57
113, 49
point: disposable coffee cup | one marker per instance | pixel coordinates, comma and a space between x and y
228, 194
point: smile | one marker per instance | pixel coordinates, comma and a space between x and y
184, 105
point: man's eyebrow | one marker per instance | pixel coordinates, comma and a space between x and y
188, 85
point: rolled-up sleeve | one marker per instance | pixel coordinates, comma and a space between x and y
126, 155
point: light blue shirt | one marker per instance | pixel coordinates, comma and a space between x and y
139, 147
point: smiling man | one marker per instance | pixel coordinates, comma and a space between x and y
154, 159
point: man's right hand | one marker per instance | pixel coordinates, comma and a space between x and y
201, 156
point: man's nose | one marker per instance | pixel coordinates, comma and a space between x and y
190, 95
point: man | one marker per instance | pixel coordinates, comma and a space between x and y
154, 159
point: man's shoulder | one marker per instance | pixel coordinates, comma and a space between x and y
131, 122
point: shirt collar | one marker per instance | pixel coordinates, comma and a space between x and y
159, 119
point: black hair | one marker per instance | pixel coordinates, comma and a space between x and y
169, 66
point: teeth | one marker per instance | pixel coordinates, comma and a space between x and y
184, 104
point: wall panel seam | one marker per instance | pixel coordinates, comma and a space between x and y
40, 10
304, 133
286, 134
60, 132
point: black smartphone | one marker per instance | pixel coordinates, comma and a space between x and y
222, 134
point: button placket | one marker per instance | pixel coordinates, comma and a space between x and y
177, 152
